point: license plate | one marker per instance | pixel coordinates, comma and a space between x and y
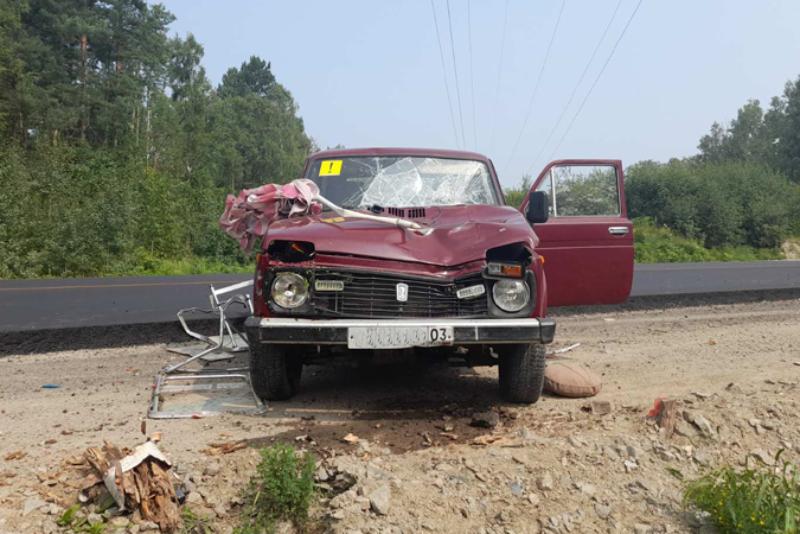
398, 337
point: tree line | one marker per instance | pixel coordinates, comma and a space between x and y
742, 188
115, 149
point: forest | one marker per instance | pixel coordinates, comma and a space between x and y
116, 152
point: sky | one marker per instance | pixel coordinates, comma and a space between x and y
369, 73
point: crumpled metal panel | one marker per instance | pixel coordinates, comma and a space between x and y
247, 216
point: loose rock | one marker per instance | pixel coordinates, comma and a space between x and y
603, 511
485, 420
380, 499
32, 504
545, 482
600, 407
699, 421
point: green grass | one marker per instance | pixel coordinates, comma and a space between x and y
656, 244
752, 500
69, 519
146, 265
179, 266
281, 490
193, 523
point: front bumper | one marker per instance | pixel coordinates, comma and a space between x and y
335, 331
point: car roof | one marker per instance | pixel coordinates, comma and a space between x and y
387, 151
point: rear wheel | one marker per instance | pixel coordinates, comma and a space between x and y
522, 372
272, 374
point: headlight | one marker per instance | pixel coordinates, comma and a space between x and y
289, 290
511, 295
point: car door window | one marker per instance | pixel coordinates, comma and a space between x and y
582, 190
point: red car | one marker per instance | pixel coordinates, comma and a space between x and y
471, 281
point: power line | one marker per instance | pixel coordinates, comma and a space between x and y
499, 76
536, 86
472, 77
577, 85
455, 71
597, 79
444, 74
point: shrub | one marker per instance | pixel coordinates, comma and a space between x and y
657, 244
761, 499
281, 490
721, 204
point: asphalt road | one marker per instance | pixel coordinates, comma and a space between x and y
27, 305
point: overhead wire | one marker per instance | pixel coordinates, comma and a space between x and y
444, 74
472, 77
597, 78
537, 84
455, 72
577, 85
499, 76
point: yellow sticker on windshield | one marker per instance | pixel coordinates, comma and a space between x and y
331, 167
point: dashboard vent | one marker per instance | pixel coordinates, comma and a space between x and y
412, 213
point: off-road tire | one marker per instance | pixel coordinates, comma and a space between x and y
273, 375
522, 372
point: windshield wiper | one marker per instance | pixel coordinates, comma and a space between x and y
344, 212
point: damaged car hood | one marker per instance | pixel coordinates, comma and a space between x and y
459, 234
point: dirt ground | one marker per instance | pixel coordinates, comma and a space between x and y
557, 466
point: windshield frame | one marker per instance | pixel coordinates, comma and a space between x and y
497, 192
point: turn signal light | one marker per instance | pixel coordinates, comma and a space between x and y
512, 270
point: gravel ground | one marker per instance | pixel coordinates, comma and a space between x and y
557, 466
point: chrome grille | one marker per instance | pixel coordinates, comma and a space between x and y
368, 295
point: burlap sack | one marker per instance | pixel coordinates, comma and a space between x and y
568, 379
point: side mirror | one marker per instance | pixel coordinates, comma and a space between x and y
538, 207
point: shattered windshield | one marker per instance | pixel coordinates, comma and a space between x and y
402, 181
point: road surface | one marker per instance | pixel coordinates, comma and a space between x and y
27, 305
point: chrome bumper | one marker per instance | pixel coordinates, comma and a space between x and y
334, 331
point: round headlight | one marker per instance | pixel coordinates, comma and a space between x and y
289, 290
511, 295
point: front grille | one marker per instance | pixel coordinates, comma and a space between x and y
368, 295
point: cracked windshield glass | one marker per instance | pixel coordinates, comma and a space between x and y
363, 182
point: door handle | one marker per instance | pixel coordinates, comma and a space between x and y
618, 230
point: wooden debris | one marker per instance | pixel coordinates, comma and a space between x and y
499, 440
139, 480
215, 449
487, 439
16, 455
350, 438
104, 457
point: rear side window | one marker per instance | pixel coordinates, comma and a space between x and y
582, 190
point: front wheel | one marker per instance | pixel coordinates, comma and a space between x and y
273, 375
522, 372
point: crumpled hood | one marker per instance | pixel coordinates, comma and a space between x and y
460, 234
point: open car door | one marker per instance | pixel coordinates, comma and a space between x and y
587, 241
